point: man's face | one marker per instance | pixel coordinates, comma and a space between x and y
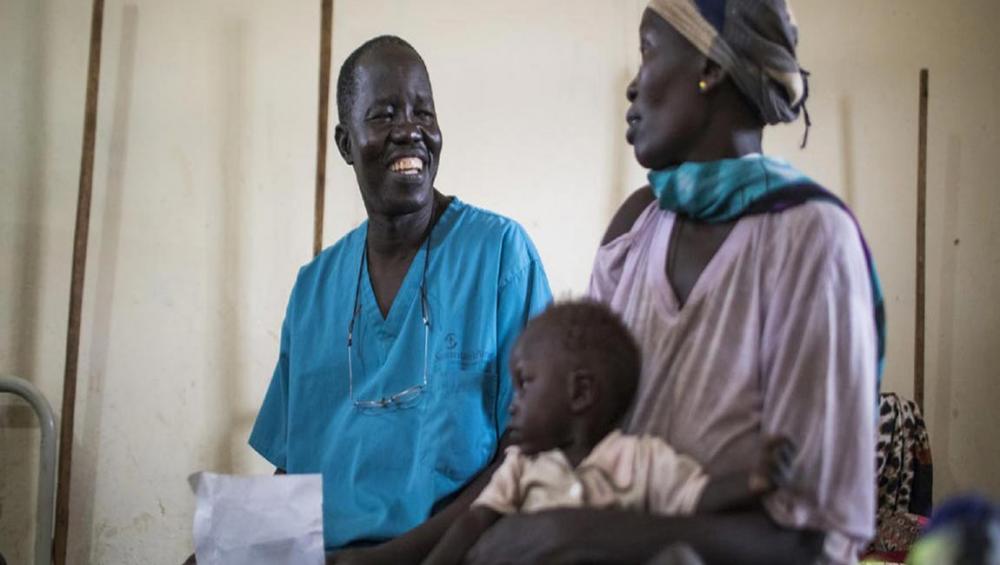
667, 114
392, 137
540, 415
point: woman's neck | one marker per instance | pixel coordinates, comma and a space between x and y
732, 129
735, 143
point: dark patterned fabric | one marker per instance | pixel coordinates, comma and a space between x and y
905, 474
903, 459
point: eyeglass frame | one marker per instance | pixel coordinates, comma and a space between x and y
408, 393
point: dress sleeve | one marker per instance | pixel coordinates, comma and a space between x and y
269, 436
503, 493
818, 381
523, 293
609, 264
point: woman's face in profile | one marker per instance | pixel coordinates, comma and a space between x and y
668, 112
394, 135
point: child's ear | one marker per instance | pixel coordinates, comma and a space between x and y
582, 391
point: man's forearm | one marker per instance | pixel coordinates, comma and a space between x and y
461, 536
415, 544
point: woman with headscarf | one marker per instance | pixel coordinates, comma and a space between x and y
752, 294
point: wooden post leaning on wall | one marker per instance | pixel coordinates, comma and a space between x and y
76, 285
919, 345
326, 32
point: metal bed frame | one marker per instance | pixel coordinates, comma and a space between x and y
46, 467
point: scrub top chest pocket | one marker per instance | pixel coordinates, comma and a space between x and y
464, 426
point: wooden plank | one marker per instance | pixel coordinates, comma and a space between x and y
76, 285
919, 344
326, 32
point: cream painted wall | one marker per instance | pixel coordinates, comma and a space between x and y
203, 198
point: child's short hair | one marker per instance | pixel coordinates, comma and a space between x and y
597, 340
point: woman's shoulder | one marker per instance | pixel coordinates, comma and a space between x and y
815, 224
627, 214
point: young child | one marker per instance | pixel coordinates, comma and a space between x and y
575, 370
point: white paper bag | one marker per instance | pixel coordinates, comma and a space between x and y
258, 520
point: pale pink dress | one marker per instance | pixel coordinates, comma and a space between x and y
776, 338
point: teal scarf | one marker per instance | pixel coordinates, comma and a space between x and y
721, 191
726, 190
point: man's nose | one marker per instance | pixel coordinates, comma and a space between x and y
406, 132
631, 91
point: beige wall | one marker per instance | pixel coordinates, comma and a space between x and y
203, 199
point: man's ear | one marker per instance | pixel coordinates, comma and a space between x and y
583, 391
712, 75
343, 140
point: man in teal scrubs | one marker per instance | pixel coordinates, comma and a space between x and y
392, 378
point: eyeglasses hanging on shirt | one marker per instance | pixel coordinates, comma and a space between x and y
409, 393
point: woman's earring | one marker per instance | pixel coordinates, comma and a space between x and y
702, 86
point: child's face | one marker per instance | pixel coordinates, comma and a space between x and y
540, 414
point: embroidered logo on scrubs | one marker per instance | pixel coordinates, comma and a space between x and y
453, 355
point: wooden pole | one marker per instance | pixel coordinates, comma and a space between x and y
326, 25
76, 285
918, 360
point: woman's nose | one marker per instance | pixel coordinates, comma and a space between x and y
631, 91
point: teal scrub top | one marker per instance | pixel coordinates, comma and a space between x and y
385, 468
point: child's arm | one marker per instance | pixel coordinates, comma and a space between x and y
462, 535
741, 490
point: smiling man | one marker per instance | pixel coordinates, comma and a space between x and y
392, 377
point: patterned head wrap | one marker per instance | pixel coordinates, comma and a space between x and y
754, 42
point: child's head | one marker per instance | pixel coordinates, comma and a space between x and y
574, 365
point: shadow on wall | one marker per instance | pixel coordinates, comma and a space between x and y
846, 155
940, 442
87, 452
19, 438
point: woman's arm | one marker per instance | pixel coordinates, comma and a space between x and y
615, 536
743, 490
627, 214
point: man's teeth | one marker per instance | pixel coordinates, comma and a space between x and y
407, 166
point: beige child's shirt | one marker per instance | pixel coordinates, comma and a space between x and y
628, 472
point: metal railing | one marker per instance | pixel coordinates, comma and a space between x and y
46, 467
